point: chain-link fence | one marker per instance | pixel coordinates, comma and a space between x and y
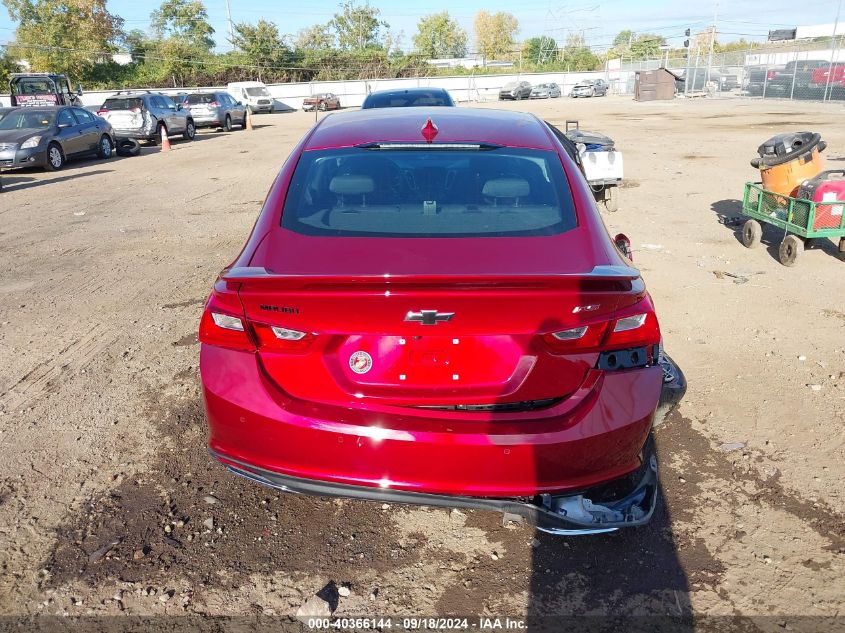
810, 70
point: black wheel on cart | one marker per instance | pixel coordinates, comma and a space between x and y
611, 199
751, 233
790, 249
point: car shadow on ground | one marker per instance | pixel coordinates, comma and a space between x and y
17, 183
729, 213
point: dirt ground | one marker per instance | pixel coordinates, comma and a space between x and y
109, 503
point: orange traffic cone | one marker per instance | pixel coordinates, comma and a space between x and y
165, 142
248, 119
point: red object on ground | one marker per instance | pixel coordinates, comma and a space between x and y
825, 188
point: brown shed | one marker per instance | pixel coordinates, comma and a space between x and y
654, 85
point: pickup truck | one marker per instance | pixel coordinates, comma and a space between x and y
836, 84
778, 81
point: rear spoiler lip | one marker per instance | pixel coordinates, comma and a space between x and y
256, 273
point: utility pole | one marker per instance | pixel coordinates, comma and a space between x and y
832, 52
231, 27
712, 40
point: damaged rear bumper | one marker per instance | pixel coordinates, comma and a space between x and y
625, 502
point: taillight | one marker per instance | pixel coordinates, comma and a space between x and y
578, 339
214, 104
770, 75
223, 323
101, 111
634, 331
281, 339
135, 110
635, 326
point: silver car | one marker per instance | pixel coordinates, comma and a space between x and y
215, 109
590, 88
545, 91
143, 114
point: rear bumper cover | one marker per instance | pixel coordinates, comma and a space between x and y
627, 502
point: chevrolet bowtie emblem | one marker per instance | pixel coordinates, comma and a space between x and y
429, 317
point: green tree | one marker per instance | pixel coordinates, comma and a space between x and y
495, 34
539, 50
184, 20
647, 45
624, 38
358, 27
438, 35
261, 44
7, 67
577, 55
62, 36
315, 38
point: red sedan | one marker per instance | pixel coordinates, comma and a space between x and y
432, 312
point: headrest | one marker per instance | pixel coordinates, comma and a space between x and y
506, 188
351, 185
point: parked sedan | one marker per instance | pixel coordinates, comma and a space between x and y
215, 109
371, 341
48, 136
515, 90
545, 91
322, 102
590, 88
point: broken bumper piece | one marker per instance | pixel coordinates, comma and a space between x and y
625, 502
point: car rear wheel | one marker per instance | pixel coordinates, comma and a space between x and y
322, 106
228, 124
105, 150
159, 129
55, 157
190, 131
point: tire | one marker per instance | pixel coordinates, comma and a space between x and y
322, 106
751, 233
518, 96
790, 250
128, 147
105, 149
55, 157
227, 125
611, 199
243, 121
190, 131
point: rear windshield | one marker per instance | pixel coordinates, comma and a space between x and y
407, 99
203, 98
129, 103
429, 193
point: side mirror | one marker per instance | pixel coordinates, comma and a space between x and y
624, 245
79, 90
239, 103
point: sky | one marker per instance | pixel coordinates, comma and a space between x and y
599, 20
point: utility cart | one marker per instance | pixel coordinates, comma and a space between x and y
601, 163
800, 218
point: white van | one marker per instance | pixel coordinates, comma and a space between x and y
253, 94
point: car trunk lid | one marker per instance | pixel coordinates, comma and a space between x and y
428, 340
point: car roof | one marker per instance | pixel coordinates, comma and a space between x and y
498, 127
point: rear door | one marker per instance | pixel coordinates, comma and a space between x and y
89, 129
